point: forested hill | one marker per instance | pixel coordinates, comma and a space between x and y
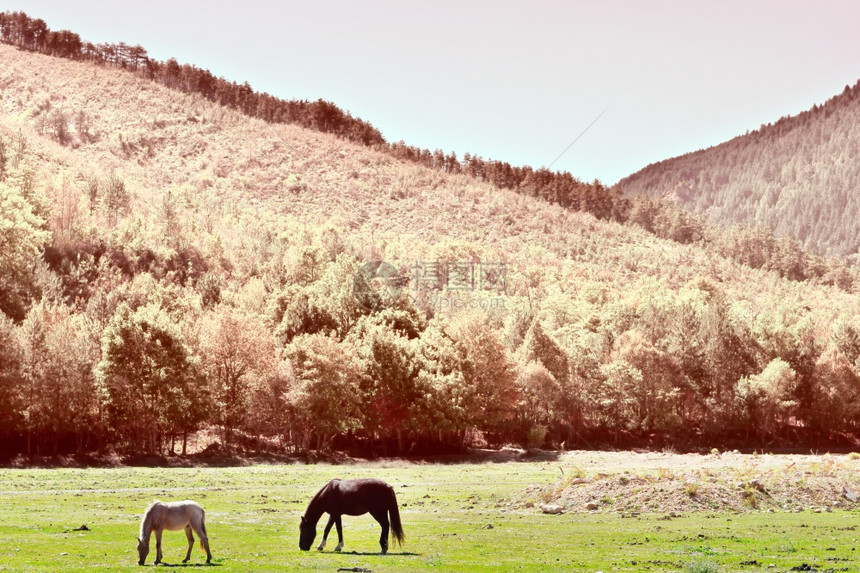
33, 34
172, 266
799, 177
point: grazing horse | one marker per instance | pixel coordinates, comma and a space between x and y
351, 497
172, 516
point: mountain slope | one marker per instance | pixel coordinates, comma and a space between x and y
33, 35
799, 177
167, 209
157, 140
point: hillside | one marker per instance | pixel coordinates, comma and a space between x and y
798, 177
158, 140
192, 256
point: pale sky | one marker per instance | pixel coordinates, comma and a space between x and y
511, 80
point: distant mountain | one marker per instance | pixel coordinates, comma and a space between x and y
799, 177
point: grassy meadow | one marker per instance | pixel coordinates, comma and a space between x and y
457, 517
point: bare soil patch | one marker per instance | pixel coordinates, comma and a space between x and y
630, 483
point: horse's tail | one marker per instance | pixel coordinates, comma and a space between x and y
394, 515
203, 529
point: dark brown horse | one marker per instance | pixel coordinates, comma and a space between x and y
351, 497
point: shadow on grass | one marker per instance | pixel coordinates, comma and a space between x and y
183, 565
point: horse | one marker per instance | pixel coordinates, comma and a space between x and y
172, 516
351, 497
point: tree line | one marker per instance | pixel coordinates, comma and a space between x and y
142, 368
18, 29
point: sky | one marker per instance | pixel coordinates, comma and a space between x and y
626, 82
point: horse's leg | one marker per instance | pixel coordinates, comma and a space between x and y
200, 530
190, 537
382, 517
339, 534
204, 540
328, 525
157, 546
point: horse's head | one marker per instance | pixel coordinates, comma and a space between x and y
307, 533
142, 550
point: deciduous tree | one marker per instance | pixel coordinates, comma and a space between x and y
148, 378
58, 360
22, 238
324, 395
237, 355
11, 382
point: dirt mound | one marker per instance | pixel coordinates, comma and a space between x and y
691, 482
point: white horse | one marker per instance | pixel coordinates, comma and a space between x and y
172, 516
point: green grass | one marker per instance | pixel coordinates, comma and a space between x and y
455, 517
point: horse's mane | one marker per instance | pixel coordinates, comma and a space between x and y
311, 511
